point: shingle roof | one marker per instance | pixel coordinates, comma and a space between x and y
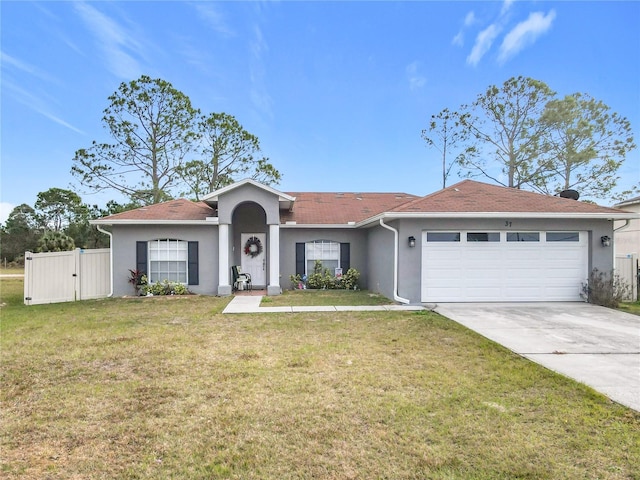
180, 209
336, 208
322, 208
478, 197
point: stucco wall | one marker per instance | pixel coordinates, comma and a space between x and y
290, 236
124, 253
380, 261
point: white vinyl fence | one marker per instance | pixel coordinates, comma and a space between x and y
627, 268
66, 276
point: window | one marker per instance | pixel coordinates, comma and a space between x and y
563, 237
168, 260
523, 236
443, 236
483, 237
324, 250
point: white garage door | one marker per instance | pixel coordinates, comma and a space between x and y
474, 266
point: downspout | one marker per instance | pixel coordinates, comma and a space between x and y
110, 259
626, 224
396, 248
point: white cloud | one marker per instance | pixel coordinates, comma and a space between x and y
9, 61
258, 47
212, 17
525, 33
458, 39
5, 209
118, 46
37, 104
484, 40
470, 19
416, 79
506, 5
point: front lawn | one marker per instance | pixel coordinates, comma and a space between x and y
169, 388
325, 297
630, 307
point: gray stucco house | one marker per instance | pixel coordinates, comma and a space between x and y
468, 242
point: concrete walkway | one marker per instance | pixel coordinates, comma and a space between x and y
251, 304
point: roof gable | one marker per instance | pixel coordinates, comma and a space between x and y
284, 199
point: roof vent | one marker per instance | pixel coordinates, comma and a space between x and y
572, 194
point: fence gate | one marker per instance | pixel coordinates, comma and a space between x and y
627, 268
55, 277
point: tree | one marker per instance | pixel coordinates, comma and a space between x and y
228, 153
152, 125
20, 232
57, 208
53, 241
506, 120
586, 144
445, 134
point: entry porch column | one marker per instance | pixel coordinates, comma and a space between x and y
224, 288
274, 261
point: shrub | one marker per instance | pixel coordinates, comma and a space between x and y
350, 279
606, 289
324, 279
137, 279
296, 282
164, 288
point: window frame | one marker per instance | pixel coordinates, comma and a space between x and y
435, 236
491, 237
525, 238
183, 251
337, 248
572, 237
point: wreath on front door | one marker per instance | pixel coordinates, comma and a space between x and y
253, 247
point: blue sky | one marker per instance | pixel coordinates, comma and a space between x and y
337, 92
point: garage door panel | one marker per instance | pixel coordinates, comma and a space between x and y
504, 271
483, 295
482, 274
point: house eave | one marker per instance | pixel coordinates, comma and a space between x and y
495, 215
212, 221
318, 225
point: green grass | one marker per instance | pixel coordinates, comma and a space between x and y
325, 297
12, 271
12, 291
630, 307
168, 388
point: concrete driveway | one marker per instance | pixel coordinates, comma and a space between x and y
597, 346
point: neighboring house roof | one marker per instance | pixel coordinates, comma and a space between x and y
323, 208
629, 202
468, 198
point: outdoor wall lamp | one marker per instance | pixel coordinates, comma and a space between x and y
606, 241
412, 241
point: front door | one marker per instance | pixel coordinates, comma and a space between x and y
254, 257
